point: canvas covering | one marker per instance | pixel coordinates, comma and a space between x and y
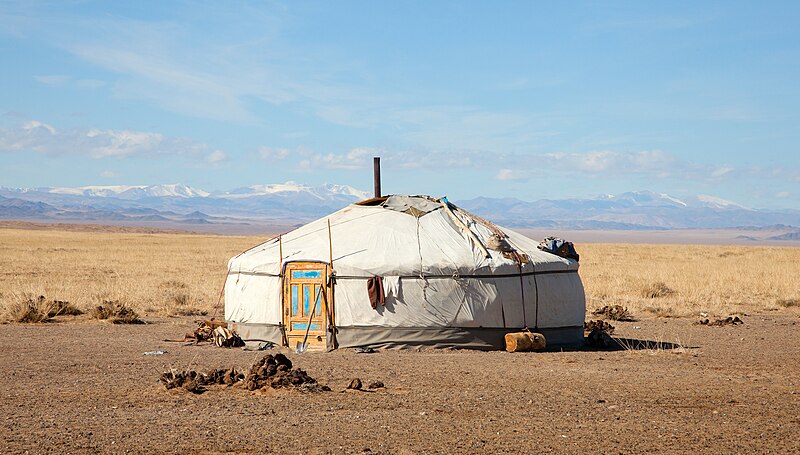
435, 276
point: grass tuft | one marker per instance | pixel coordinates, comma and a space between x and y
788, 303
116, 312
656, 290
63, 308
29, 309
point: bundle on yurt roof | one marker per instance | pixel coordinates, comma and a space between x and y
402, 271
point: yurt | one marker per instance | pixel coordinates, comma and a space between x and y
402, 271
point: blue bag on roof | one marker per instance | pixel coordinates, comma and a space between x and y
559, 247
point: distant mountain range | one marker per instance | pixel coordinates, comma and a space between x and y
289, 204
632, 210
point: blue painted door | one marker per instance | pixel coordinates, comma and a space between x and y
304, 283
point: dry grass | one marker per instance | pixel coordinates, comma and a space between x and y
27, 308
656, 290
116, 312
153, 274
175, 274
718, 280
788, 303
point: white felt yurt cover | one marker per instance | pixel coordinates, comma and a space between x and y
441, 288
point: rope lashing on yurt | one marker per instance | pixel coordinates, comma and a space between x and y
464, 228
520, 259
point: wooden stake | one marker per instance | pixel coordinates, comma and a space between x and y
330, 244
280, 249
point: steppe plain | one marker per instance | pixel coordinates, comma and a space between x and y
77, 384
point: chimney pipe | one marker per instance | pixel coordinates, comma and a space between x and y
376, 167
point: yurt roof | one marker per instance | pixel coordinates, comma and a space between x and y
403, 235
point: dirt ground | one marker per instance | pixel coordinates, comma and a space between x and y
86, 386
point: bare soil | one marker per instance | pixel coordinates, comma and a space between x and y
86, 386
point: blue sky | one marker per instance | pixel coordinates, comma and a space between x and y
464, 99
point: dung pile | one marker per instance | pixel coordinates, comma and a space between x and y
276, 371
721, 322
600, 339
194, 382
599, 324
273, 371
598, 334
614, 312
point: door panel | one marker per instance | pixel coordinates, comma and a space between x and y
303, 282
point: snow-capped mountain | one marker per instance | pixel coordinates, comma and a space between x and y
719, 203
324, 192
293, 203
631, 210
132, 192
290, 202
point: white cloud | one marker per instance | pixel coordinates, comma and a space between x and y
722, 171
109, 174
119, 143
273, 154
612, 162
59, 80
52, 80
783, 195
96, 143
216, 156
511, 175
356, 158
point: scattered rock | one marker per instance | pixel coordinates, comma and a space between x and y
376, 385
355, 384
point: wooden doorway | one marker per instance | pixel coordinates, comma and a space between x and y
303, 281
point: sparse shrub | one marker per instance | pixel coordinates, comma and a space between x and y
788, 303
63, 308
656, 290
29, 309
116, 312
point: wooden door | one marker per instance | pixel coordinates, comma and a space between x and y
303, 282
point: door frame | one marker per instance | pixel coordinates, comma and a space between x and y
326, 300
